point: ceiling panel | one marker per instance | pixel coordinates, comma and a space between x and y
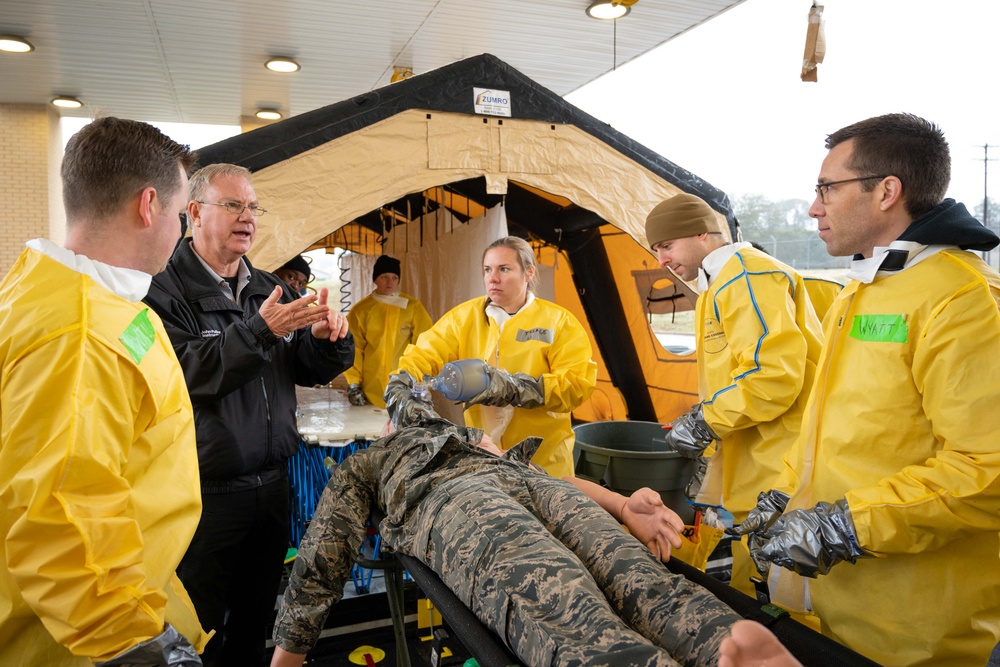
180, 61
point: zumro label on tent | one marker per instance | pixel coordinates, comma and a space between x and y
491, 102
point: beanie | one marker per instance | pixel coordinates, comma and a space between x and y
297, 263
680, 216
385, 264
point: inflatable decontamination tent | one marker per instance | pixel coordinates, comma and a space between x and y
440, 151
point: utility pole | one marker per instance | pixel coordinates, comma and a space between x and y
986, 200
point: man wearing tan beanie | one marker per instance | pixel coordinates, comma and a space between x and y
758, 340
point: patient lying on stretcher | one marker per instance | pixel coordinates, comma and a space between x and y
540, 563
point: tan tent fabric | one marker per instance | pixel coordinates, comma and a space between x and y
347, 175
314, 193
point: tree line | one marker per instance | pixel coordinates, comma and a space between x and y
785, 230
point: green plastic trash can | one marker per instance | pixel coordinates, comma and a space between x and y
628, 455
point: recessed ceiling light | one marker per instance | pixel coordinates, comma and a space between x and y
66, 102
282, 64
268, 114
15, 44
608, 9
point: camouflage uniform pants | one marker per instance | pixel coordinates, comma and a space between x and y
560, 580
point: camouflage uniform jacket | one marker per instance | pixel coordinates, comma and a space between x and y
537, 561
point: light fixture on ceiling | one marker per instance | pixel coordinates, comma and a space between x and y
15, 44
610, 9
66, 102
268, 114
282, 64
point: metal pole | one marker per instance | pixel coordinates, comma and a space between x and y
986, 200
987, 254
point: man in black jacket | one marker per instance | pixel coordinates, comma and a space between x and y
243, 344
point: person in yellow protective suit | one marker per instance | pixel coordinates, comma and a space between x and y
822, 293
383, 323
99, 485
897, 469
540, 359
758, 339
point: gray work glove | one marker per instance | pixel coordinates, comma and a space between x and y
770, 505
168, 649
517, 389
810, 541
697, 479
689, 435
405, 407
355, 395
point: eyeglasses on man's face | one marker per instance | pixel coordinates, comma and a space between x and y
823, 189
236, 208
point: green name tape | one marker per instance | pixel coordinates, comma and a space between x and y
880, 328
139, 336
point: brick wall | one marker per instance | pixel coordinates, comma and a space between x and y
29, 139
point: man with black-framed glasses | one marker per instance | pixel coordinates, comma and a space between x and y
897, 468
243, 344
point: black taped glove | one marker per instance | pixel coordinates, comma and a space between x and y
689, 435
168, 649
405, 408
810, 541
517, 389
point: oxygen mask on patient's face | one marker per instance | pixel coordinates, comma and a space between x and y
407, 401
422, 390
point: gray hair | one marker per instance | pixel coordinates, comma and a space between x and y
201, 180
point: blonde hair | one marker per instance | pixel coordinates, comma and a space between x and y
525, 256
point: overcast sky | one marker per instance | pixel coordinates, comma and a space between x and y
725, 100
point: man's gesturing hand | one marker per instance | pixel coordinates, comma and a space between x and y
284, 318
334, 326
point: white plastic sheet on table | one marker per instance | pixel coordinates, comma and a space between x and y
332, 428
326, 417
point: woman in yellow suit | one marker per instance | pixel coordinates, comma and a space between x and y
384, 323
539, 354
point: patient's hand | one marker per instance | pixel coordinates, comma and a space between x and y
283, 658
750, 644
490, 446
652, 523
